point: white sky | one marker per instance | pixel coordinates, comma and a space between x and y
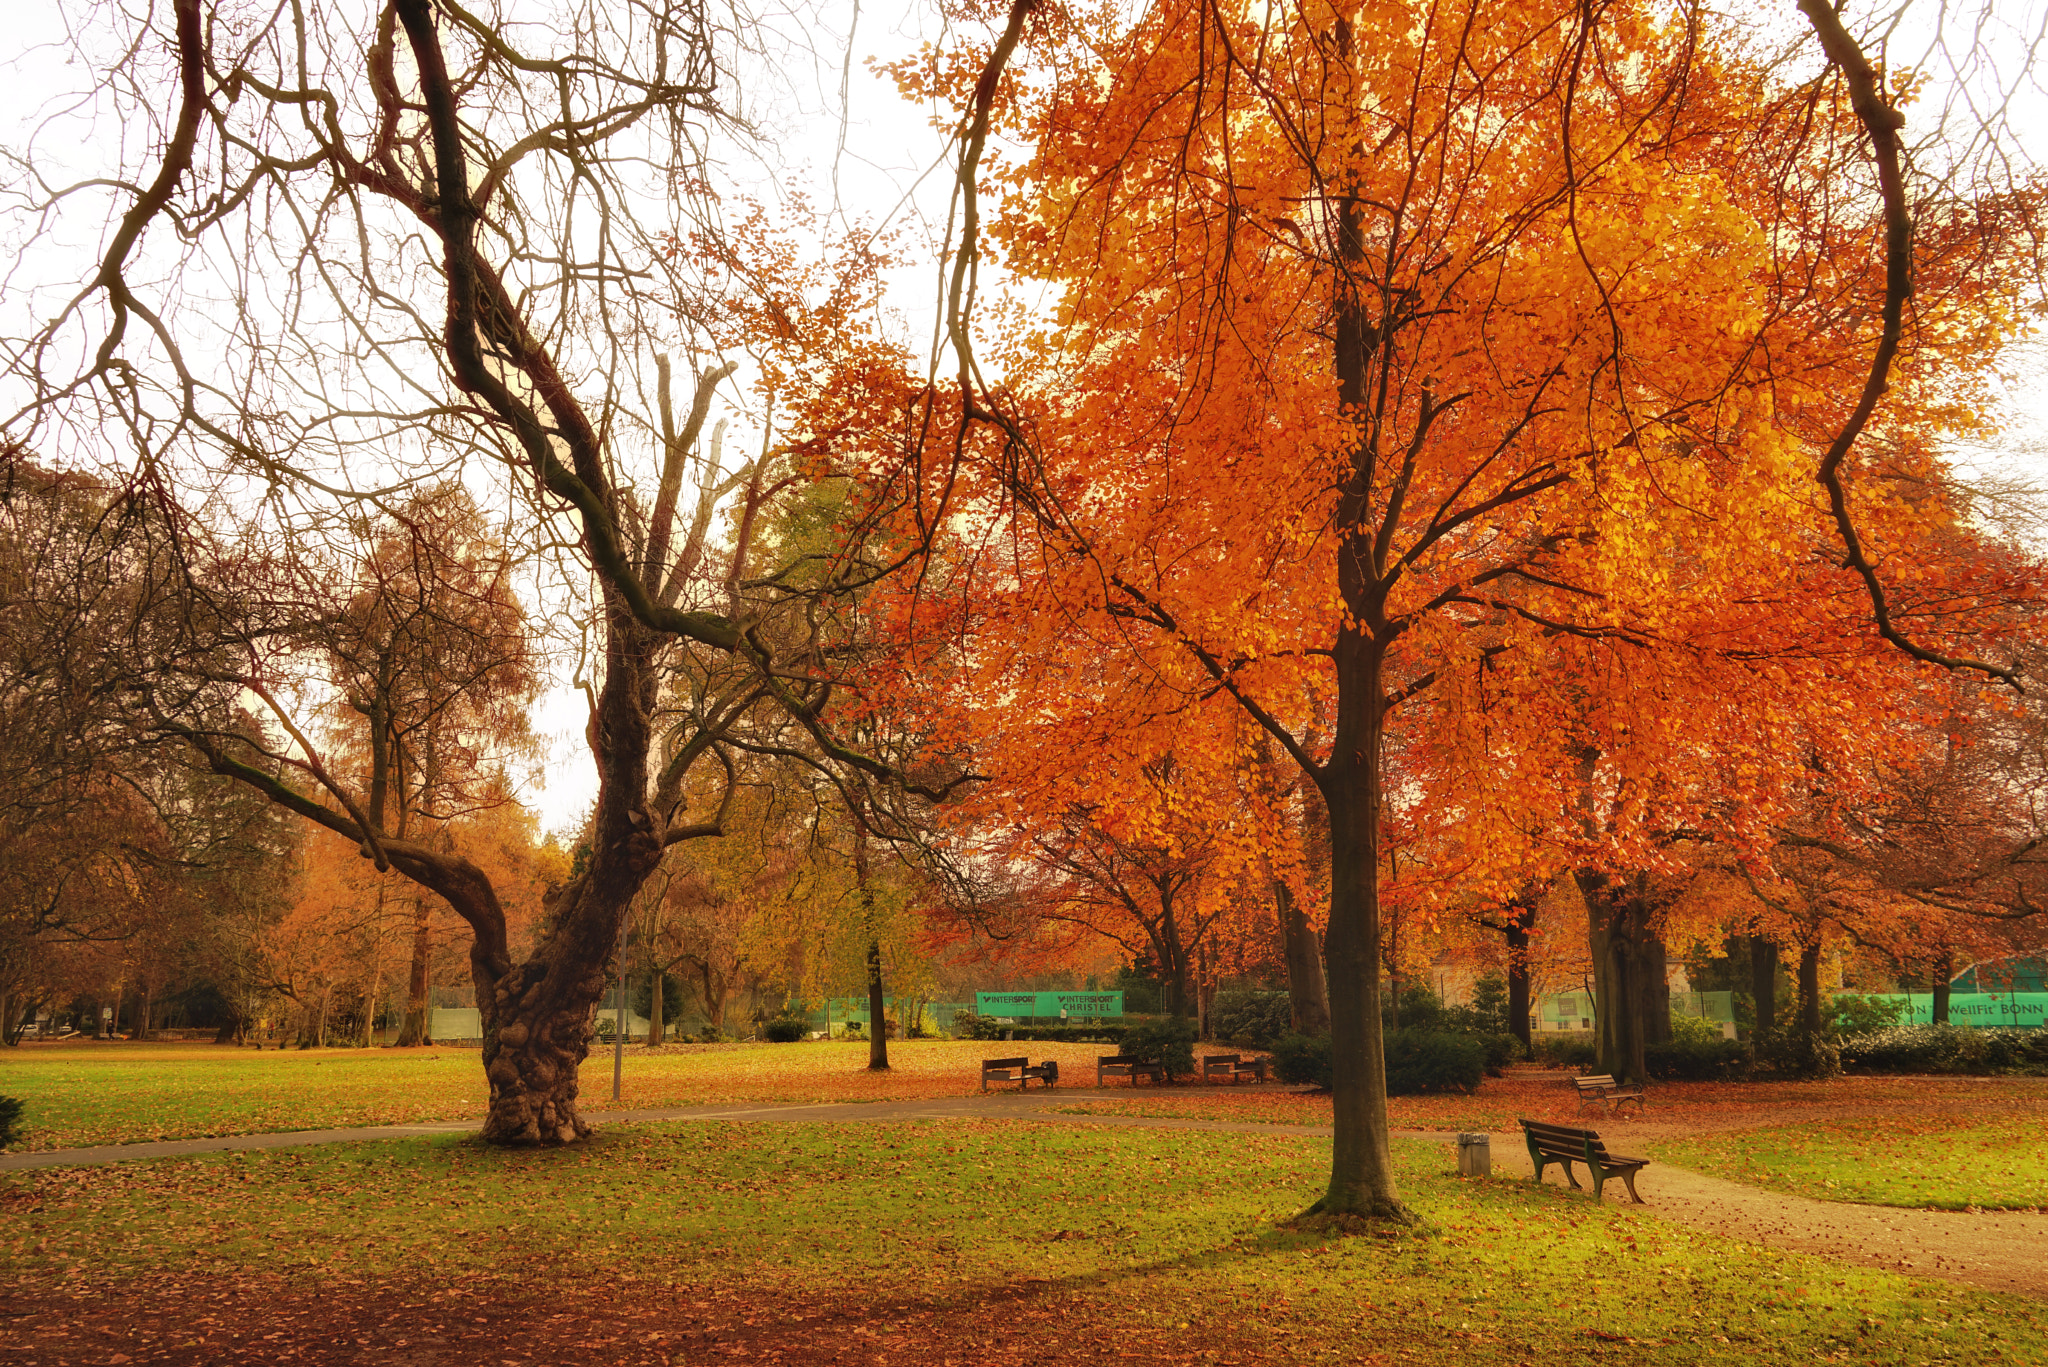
869, 173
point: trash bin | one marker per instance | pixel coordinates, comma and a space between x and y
1475, 1155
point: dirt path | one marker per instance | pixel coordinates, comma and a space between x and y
1994, 1250
1997, 1251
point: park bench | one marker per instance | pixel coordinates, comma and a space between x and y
1019, 1071
1232, 1067
1562, 1144
1127, 1065
1602, 1087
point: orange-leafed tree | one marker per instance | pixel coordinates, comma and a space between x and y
1389, 346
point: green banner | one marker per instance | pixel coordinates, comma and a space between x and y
1049, 1005
1977, 1010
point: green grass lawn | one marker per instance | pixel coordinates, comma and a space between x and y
113, 1093
1170, 1239
1950, 1162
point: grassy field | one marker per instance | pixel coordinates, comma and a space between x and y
1949, 1162
92, 1093
80, 1094
986, 1242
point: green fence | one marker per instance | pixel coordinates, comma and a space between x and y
1049, 1006
1976, 1010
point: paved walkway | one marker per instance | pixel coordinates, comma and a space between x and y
1998, 1251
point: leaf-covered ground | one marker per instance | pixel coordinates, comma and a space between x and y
1908, 1158
990, 1243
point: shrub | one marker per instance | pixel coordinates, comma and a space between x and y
1433, 1061
1421, 1009
1501, 1050
11, 1127
1947, 1049
853, 1030
1696, 1059
1567, 1049
967, 1025
1859, 1015
1303, 1060
1490, 1003
1251, 1020
1168, 1041
781, 1030
1795, 1054
1694, 1030
1417, 1061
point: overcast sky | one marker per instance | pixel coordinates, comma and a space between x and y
833, 129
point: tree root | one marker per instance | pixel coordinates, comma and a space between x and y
1383, 1219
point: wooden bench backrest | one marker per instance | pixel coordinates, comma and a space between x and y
1563, 1139
1595, 1080
1220, 1060
1119, 1058
988, 1063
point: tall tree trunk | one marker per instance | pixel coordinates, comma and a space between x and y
1361, 1158
878, 1023
1516, 932
1392, 1009
1809, 989
1617, 932
1308, 991
1178, 1001
148, 1001
1763, 982
1651, 986
657, 1027
1944, 969
415, 1031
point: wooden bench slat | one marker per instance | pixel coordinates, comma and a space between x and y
1017, 1070
1233, 1067
1567, 1145
1126, 1065
1602, 1087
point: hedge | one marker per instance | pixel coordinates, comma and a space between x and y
1417, 1061
967, 1025
1947, 1049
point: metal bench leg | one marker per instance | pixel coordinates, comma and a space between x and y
1629, 1176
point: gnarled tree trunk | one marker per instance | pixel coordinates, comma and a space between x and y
537, 1015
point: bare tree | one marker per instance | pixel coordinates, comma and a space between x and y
355, 256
